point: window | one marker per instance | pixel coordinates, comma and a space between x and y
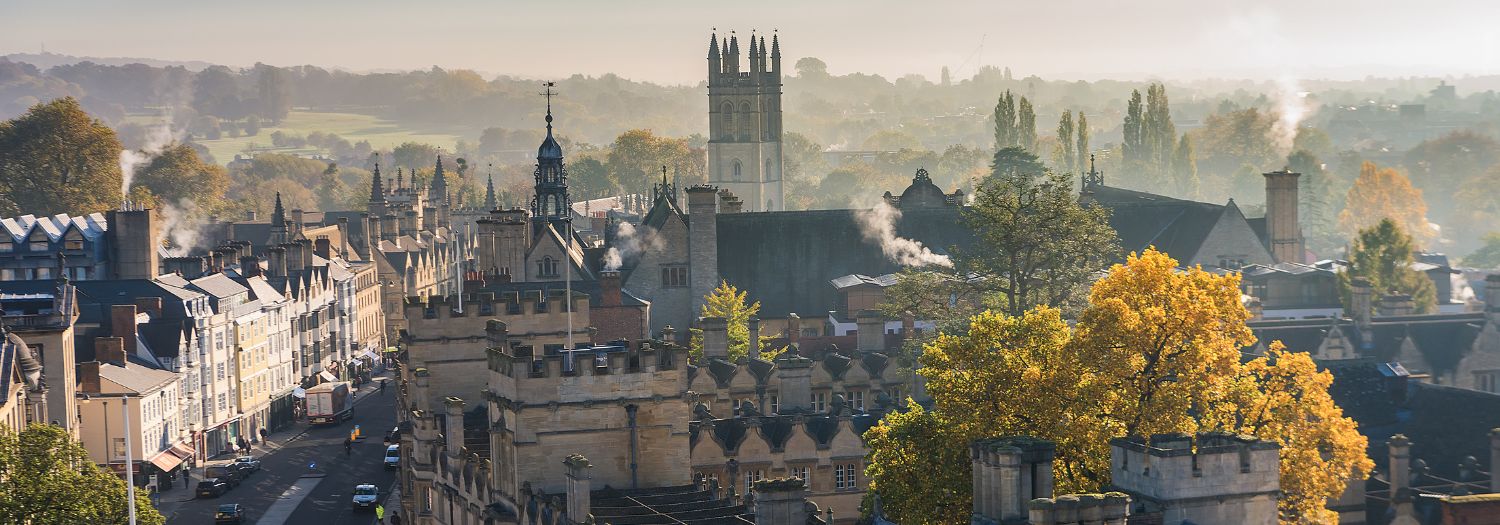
799, 472
736, 170
728, 113
775, 404
1487, 381
117, 448
547, 267
674, 276
223, 402
845, 476
752, 476
820, 402
73, 244
219, 372
857, 400
38, 242
7, 246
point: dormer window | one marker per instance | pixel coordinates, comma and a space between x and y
547, 267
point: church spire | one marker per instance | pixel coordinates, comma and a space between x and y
551, 202
439, 183
489, 194
754, 54
775, 54
715, 60
278, 223
377, 193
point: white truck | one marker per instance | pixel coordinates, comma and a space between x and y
330, 403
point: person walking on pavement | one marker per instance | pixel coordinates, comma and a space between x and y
348, 446
265, 437
382, 387
395, 518
379, 513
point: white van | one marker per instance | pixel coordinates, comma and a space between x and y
392, 457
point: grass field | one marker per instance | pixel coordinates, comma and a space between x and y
354, 127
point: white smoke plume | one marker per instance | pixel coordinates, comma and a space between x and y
181, 224
158, 137
879, 226
1292, 107
629, 242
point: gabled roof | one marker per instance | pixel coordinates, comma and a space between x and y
92, 226
136, 378
218, 285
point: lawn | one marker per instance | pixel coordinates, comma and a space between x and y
354, 127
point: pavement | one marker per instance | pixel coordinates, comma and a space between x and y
285, 490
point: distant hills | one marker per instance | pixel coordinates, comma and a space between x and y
46, 60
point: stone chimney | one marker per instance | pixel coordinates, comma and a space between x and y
1283, 232
293, 257
1360, 296
1009, 473
1400, 463
419, 389
215, 260
1492, 299
150, 305
372, 236
296, 222
609, 288
190, 267
703, 243
1396, 304
250, 266
122, 325
88, 377
796, 383
715, 338
453, 420
781, 502
579, 473
276, 261
793, 328
754, 326
389, 227
323, 248
870, 336
110, 350
306, 248
133, 237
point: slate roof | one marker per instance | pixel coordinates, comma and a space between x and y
668, 505
586, 287
92, 226
1174, 226
137, 377
219, 285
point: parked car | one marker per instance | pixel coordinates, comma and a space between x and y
248, 463
393, 457
228, 472
365, 497
230, 513
212, 488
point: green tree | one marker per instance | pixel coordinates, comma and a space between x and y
728, 302
1383, 255
1134, 148
590, 179
919, 466
275, 92
1158, 133
414, 155
1313, 210
1035, 243
1067, 160
1082, 153
49, 478
57, 159
1014, 161
1026, 126
177, 174
636, 156
801, 157
1488, 254
1005, 121
1185, 168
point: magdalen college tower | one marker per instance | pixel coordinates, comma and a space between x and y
744, 116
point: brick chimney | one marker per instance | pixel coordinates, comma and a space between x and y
1283, 233
580, 476
323, 248
609, 288
122, 325
150, 305
870, 336
715, 338
88, 377
110, 350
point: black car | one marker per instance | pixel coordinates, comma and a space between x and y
212, 488
230, 513
230, 473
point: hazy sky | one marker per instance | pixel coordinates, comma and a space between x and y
665, 41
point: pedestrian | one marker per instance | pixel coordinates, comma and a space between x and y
379, 513
382, 387
265, 437
396, 518
348, 446
186, 483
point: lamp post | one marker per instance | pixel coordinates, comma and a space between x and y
109, 449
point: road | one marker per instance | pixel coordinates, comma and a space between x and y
324, 501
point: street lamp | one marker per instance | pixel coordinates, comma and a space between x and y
109, 448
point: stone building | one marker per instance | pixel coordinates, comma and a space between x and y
744, 120
128, 409
1204, 479
36, 330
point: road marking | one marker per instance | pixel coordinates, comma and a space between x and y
288, 501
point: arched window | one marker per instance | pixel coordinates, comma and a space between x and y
768, 174
547, 267
727, 112
736, 169
747, 122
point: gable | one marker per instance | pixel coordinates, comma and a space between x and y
1231, 237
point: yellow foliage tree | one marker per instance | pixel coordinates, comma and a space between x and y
1156, 351
1380, 193
728, 302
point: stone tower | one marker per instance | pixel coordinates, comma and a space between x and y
744, 118
1283, 233
551, 203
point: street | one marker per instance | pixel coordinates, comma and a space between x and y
279, 492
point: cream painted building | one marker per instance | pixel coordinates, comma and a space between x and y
125, 404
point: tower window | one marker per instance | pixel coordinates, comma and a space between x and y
737, 170
747, 123
728, 114
547, 267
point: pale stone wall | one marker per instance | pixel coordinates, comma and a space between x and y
1230, 238
669, 248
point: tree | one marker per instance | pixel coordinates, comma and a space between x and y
919, 467
1005, 121
590, 179
49, 478
1026, 126
810, 67
1066, 155
252, 125
1383, 193
1229, 141
927, 295
728, 302
1082, 153
177, 174
1488, 254
1035, 244
1383, 255
801, 157
1134, 148
1158, 133
56, 159
1185, 168
414, 155
1013, 161
275, 92
1313, 209
891, 140
636, 157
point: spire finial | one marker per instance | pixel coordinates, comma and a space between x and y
663, 175
548, 92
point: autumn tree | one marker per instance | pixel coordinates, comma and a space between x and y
636, 157
1384, 193
918, 465
57, 159
1383, 254
1035, 243
177, 175
49, 478
728, 302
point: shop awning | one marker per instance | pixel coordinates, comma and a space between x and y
391, 350
166, 461
299, 392
182, 450
370, 354
328, 376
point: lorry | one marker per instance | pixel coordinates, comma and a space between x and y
329, 403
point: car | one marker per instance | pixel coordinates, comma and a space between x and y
230, 513
393, 457
212, 488
365, 497
228, 472
248, 463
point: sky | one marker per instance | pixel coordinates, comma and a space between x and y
666, 41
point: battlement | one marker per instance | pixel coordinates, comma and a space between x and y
1110, 508
501, 304
1183, 466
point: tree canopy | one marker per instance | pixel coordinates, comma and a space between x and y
58, 159
728, 302
1384, 193
49, 478
1383, 255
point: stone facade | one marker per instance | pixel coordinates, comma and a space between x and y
744, 119
1208, 478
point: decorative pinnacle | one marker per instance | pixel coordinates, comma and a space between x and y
548, 92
